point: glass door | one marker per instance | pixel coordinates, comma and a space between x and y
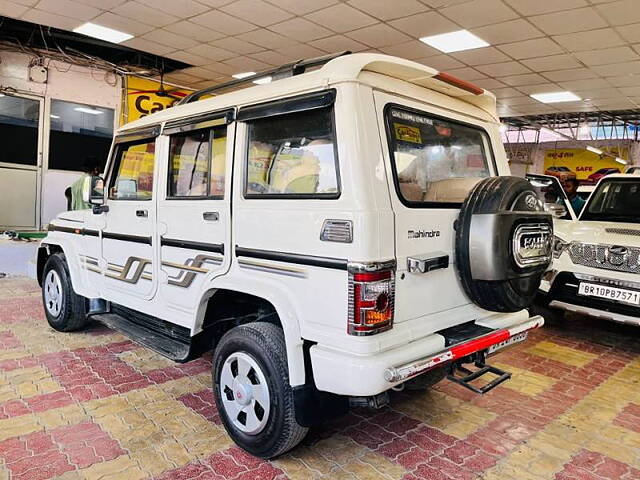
20, 161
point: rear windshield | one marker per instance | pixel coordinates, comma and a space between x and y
435, 162
615, 201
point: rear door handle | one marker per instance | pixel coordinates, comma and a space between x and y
427, 263
211, 216
142, 213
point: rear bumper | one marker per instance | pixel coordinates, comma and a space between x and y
359, 375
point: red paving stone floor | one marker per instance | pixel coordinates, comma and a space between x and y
94, 405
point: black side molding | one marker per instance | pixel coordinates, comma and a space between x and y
312, 260
206, 247
127, 238
77, 231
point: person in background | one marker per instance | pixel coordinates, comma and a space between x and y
570, 186
90, 169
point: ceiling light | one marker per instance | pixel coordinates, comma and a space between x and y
619, 160
1, 94
54, 116
240, 76
555, 97
88, 110
262, 80
595, 150
102, 33
454, 41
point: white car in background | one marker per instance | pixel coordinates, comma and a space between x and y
596, 266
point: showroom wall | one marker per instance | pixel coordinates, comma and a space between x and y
87, 87
530, 157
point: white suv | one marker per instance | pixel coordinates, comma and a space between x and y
330, 235
596, 266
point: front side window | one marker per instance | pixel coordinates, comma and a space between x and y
293, 155
614, 201
434, 161
197, 163
133, 171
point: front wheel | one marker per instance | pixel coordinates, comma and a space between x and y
64, 308
252, 391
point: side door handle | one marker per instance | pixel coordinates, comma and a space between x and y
211, 216
142, 213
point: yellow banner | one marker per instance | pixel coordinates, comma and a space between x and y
144, 96
583, 162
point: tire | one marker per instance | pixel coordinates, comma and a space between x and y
247, 359
427, 379
518, 288
63, 307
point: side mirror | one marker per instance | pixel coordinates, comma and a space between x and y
93, 194
96, 191
557, 211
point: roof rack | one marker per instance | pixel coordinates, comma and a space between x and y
288, 70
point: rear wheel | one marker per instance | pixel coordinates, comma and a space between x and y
252, 391
64, 308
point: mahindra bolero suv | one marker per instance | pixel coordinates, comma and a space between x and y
331, 235
596, 267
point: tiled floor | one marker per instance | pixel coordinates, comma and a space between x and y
94, 405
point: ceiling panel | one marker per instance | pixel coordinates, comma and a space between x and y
590, 47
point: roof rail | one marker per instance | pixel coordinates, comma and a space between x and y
287, 70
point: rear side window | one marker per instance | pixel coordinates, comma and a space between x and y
197, 164
435, 161
133, 171
293, 155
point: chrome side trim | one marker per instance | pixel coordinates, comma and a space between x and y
270, 268
616, 317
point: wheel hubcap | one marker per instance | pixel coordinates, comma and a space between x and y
245, 393
53, 293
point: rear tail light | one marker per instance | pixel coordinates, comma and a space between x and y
371, 302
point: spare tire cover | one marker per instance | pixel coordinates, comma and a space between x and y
503, 244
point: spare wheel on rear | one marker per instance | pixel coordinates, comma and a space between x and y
503, 244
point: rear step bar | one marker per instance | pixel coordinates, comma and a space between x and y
491, 342
471, 375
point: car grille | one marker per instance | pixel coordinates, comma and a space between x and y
607, 257
624, 231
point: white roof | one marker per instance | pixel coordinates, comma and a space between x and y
341, 69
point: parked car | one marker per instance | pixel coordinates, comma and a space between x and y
596, 266
562, 173
303, 230
603, 172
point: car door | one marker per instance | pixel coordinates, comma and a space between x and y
194, 209
433, 159
127, 247
554, 197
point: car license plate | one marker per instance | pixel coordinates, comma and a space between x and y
610, 293
509, 341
